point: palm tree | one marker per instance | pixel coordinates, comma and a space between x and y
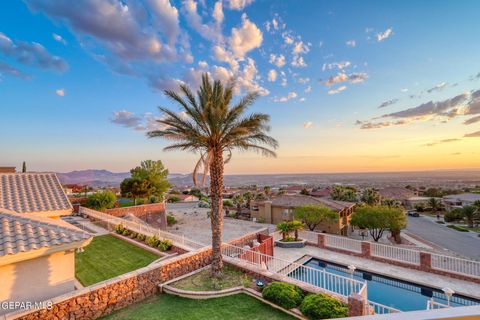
434, 204
212, 126
469, 212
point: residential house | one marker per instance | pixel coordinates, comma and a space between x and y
39, 194
460, 200
281, 208
321, 193
37, 257
295, 189
397, 193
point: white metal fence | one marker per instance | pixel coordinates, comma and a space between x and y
395, 253
343, 243
378, 308
320, 278
456, 265
142, 228
433, 305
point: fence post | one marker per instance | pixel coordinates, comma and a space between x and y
321, 240
357, 305
425, 261
366, 249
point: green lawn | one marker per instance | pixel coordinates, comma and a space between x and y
107, 257
169, 307
202, 281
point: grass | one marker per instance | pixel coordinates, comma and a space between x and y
202, 281
458, 228
107, 257
169, 307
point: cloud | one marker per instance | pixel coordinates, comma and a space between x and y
307, 124
472, 120
384, 35
289, 96
300, 47
210, 32
308, 89
404, 90
303, 80
343, 77
431, 144
351, 43
287, 38
218, 12
166, 18
60, 92
378, 125
438, 87
32, 54
339, 65
245, 38
388, 103
238, 4
472, 135
59, 38
302, 99
143, 122
272, 75
475, 77
278, 60
8, 69
338, 90
298, 62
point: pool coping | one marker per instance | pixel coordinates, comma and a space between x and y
306, 257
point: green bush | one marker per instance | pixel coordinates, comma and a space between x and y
102, 200
321, 306
141, 237
126, 232
458, 228
152, 241
133, 235
165, 245
119, 228
171, 220
454, 215
284, 294
441, 222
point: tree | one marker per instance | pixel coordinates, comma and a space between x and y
377, 219
370, 196
305, 192
239, 201
344, 193
173, 199
24, 167
213, 126
148, 179
471, 214
267, 190
260, 196
313, 215
434, 204
392, 203
296, 226
248, 196
102, 200
285, 227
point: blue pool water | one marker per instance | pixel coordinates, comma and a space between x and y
391, 292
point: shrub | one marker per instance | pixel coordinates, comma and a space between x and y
173, 199
171, 220
133, 235
321, 306
231, 215
284, 294
441, 222
458, 228
119, 228
165, 245
152, 241
455, 214
102, 200
141, 237
126, 232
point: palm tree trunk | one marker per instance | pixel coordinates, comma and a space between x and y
216, 218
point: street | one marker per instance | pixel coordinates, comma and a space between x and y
463, 243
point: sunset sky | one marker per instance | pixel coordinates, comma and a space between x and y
350, 85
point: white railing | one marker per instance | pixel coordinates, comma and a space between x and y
433, 305
310, 236
142, 228
456, 265
343, 243
378, 308
395, 253
327, 281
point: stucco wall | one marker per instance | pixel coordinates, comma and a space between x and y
38, 279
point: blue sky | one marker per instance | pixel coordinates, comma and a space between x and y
80, 81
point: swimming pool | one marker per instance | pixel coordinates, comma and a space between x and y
395, 293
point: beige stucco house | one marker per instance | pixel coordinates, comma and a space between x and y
281, 208
37, 248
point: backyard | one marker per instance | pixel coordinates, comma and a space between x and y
166, 307
107, 257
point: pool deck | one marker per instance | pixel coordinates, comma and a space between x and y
424, 278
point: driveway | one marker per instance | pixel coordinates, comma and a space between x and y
463, 243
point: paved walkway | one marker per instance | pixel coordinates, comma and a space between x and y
420, 277
466, 244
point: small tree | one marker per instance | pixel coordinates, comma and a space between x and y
313, 215
470, 213
377, 219
24, 167
267, 190
285, 227
296, 226
344, 193
102, 200
434, 204
239, 201
248, 196
370, 196
392, 203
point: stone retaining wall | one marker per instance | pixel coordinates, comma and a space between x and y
153, 214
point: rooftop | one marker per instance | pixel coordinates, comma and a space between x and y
20, 233
301, 200
397, 193
469, 197
39, 193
